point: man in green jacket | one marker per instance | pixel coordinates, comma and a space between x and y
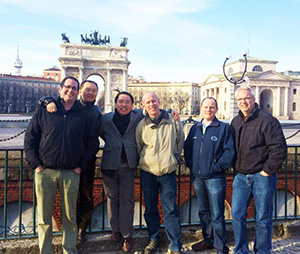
159, 138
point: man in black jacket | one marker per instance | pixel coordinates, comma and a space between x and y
260, 152
59, 147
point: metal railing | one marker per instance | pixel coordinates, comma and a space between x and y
13, 187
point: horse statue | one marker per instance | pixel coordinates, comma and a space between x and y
65, 38
123, 42
83, 40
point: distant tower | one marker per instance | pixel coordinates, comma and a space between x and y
18, 63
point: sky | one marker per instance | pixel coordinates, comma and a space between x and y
168, 40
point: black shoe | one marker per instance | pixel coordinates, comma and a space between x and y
116, 237
81, 236
151, 247
200, 246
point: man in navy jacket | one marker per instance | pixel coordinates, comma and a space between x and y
209, 151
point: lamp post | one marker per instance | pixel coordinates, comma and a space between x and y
238, 80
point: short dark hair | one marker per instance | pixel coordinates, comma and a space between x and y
211, 98
66, 78
88, 81
125, 93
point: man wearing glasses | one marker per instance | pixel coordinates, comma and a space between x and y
260, 152
59, 147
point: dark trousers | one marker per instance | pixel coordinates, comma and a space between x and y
85, 203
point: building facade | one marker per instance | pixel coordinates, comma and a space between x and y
53, 73
182, 96
275, 92
20, 94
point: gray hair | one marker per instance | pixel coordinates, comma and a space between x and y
248, 88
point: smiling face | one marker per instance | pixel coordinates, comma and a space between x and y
208, 109
88, 91
151, 105
69, 91
124, 104
245, 101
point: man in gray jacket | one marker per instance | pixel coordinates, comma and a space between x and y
118, 164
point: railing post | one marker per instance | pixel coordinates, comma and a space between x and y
20, 193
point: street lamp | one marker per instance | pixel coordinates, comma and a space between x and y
238, 80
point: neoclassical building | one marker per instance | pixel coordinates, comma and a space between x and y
277, 93
182, 96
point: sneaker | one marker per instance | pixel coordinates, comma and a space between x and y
127, 244
200, 246
81, 237
152, 247
116, 237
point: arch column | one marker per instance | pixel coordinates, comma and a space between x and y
125, 86
63, 73
108, 102
80, 74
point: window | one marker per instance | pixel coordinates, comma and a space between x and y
225, 90
224, 105
257, 68
294, 106
294, 91
230, 70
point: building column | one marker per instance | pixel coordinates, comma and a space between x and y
278, 102
125, 86
63, 73
209, 92
286, 101
108, 102
257, 95
80, 78
215, 93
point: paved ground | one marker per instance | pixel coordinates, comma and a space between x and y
286, 239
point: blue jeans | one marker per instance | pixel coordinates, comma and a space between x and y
262, 189
210, 195
166, 185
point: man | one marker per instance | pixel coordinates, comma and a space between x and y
261, 150
88, 93
158, 139
208, 152
59, 147
118, 164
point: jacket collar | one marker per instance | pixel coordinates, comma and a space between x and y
215, 122
165, 117
252, 115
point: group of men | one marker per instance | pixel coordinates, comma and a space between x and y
61, 143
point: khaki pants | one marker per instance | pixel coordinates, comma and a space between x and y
46, 183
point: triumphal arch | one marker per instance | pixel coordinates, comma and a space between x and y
110, 63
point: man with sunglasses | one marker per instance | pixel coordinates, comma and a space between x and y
59, 147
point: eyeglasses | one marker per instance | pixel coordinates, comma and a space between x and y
244, 99
74, 88
124, 101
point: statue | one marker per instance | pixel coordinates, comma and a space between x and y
65, 38
124, 42
94, 39
83, 40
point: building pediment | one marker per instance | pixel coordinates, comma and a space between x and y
213, 78
269, 75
